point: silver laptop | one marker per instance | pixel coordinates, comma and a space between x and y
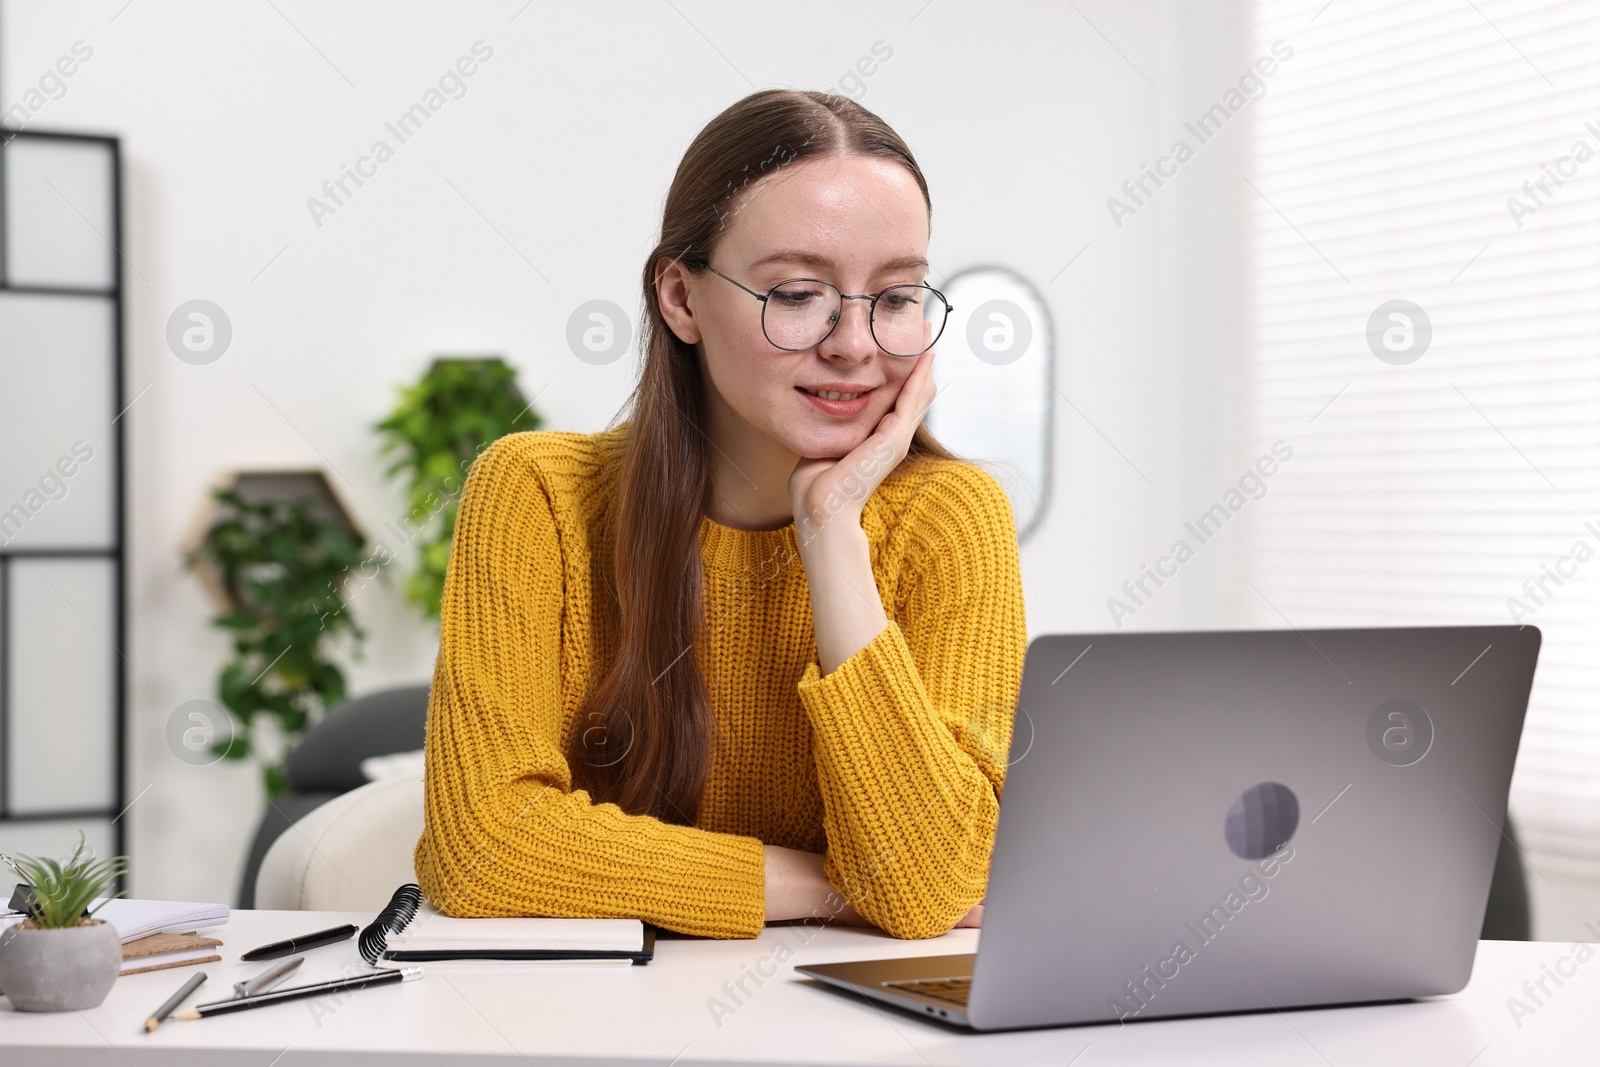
1235, 821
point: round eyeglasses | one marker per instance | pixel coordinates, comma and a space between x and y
800, 313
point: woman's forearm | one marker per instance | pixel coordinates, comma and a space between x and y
846, 611
796, 887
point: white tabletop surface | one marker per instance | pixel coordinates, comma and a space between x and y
684, 1009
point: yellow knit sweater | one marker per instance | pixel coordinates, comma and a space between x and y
891, 765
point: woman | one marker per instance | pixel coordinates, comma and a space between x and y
763, 640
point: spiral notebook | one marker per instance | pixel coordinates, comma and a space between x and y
411, 930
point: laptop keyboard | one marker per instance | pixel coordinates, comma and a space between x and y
954, 990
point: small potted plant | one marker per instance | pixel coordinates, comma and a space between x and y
61, 958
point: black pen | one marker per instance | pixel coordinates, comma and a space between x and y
299, 944
339, 985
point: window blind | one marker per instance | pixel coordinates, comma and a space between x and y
1445, 153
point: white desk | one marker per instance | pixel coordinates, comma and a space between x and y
665, 1013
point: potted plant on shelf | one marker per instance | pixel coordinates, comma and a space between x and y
457, 409
61, 958
281, 566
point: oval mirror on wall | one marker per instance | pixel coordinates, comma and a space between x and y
994, 371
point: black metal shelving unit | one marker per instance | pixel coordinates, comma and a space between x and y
19, 818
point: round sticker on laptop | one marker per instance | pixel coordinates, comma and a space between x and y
1399, 733
1262, 820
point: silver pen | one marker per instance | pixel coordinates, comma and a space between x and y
267, 978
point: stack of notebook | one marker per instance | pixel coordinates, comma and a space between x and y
157, 934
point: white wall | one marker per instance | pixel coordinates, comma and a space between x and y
1025, 117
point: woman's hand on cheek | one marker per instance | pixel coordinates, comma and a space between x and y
823, 491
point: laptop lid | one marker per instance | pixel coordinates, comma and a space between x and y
1246, 820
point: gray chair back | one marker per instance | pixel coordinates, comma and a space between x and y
327, 762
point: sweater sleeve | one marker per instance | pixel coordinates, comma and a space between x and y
911, 733
504, 832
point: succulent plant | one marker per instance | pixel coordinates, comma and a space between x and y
63, 892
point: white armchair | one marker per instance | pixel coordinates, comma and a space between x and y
350, 854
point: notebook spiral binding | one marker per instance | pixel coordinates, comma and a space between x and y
399, 912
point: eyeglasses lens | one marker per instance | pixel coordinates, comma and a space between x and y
800, 313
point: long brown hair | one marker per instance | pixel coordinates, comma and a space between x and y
644, 736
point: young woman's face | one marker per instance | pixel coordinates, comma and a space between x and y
860, 223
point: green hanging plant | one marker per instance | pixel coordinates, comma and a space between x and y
457, 409
281, 568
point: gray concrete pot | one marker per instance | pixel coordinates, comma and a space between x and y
59, 970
